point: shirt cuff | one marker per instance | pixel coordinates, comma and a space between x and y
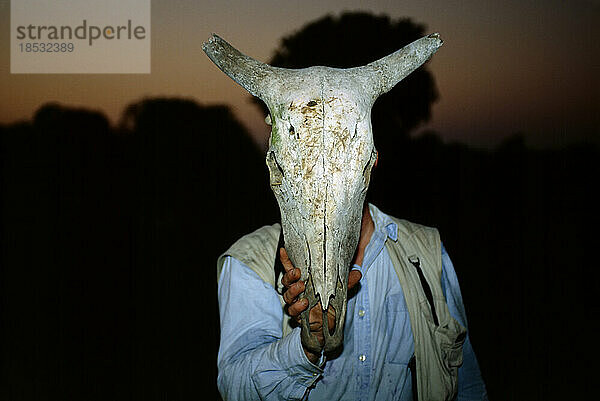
295, 373
302, 368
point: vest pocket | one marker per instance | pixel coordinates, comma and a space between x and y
451, 338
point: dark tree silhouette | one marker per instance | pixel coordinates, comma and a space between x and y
354, 39
198, 177
357, 38
108, 243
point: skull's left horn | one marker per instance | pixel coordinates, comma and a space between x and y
258, 78
382, 75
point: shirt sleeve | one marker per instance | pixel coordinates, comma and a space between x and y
470, 383
255, 361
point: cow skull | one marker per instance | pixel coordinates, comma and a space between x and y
320, 157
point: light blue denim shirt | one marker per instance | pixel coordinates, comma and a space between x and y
255, 362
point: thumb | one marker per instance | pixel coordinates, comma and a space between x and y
353, 277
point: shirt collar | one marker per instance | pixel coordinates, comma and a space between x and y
384, 228
383, 223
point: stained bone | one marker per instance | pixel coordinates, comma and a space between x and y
320, 157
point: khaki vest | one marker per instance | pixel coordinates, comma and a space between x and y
438, 347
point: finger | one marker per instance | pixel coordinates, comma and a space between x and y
290, 277
353, 277
295, 309
331, 311
330, 320
285, 259
315, 316
330, 317
316, 327
315, 320
292, 293
291, 274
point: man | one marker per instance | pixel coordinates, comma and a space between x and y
256, 361
404, 333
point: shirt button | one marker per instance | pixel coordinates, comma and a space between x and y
362, 358
361, 312
315, 374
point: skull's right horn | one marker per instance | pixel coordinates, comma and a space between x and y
382, 75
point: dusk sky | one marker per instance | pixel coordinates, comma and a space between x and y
505, 67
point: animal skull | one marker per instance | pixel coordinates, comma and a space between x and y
320, 157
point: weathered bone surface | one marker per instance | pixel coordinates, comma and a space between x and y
320, 158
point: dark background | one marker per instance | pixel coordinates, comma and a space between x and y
110, 234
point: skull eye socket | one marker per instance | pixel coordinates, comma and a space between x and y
292, 131
275, 170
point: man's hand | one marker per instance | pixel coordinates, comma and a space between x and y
295, 305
